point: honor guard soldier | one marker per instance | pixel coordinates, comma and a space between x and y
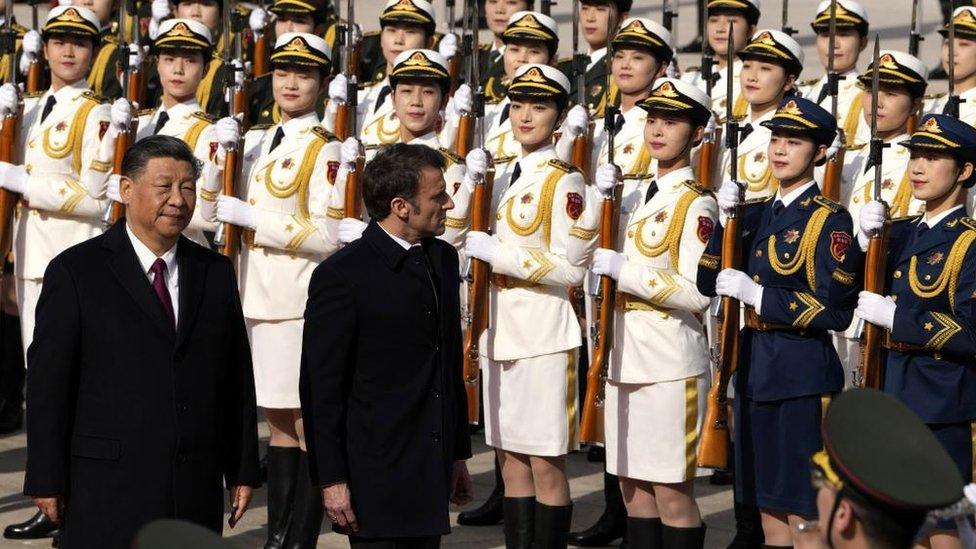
182, 48
24, 55
497, 15
288, 182
787, 366
597, 17
930, 276
65, 168
743, 15
901, 79
964, 19
657, 378
529, 367
850, 39
880, 473
103, 76
376, 58
771, 64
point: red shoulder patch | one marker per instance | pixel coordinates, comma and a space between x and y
574, 205
333, 169
102, 128
706, 226
839, 241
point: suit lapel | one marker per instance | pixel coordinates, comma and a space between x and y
192, 278
125, 266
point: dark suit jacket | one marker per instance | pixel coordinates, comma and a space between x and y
382, 396
130, 418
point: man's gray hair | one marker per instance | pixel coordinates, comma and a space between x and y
157, 146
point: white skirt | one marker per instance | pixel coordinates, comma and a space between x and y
276, 351
530, 404
652, 430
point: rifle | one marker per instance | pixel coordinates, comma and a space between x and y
130, 84
581, 145
34, 72
8, 133
953, 101
786, 28
603, 300
835, 164
227, 236
545, 7
479, 274
261, 55
707, 154
454, 63
466, 129
914, 36
353, 196
875, 262
346, 113
713, 450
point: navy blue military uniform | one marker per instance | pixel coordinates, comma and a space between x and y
788, 367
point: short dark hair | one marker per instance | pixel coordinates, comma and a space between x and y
395, 172
886, 526
157, 146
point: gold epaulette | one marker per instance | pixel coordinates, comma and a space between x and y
856, 146
695, 68
564, 166
33, 95
485, 47
504, 159
259, 127
834, 207
111, 38
92, 96
19, 29
323, 134
637, 176
242, 10
144, 112
451, 156
760, 200
969, 222
907, 218
371, 33
695, 186
935, 95
205, 117
809, 82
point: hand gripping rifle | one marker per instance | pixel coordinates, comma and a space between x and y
466, 124
581, 145
354, 195
261, 54
874, 263
34, 72
713, 451
591, 431
346, 112
8, 133
835, 164
130, 91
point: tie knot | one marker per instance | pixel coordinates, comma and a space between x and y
651, 191
158, 267
922, 227
778, 207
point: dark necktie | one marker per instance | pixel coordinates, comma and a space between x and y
494, 56
158, 270
923, 228
48, 107
651, 191
778, 208
516, 173
824, 90
276, 140
504, 113
744, 132
384, 91
161, 121
618, 124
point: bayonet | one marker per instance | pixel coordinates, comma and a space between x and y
877, 144
953, 100
914, 36
785, 27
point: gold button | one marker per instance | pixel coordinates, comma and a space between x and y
857, 199
897, 274
630, 234
894, 298
755, 278
928, 277
758, 253
252, 201
498, 217
787, 255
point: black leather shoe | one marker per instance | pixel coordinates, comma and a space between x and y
36, 528
606, 530
56, 540
596, 454
721, 478
695, 46
489, 514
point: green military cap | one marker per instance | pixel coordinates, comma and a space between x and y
964, 19
310, 7
849, 14
417, 12
878, 449
748, 8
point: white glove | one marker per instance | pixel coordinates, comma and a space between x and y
13, 177
607, 263
481, 246
258, 20
30, 48
159, 9
337, 89
350, 229
737, 284
476, 166
349, 152
64, 3
463, 98
876, 309
835, 146
135, 56
121, 115
112, 191
9, 99
238, 67
236, 212
710, 125
606, 178
728, 196
871, 219
357, 33
577, 119
227, 130
448, 46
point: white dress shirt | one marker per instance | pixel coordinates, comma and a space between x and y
403, 243
146, 259
937, 218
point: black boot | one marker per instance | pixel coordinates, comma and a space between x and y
491, 511
36, 527
644, 533
307, 510
552, 526
519, 522
748, 527
683, 538
612, 524
282, 472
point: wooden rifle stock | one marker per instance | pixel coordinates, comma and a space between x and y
34, 77
832, 175
874, 277
454, 71
8, 199
122, 143
342, 121
581, 154
590, 429
477, 295
232, 168
713, 449
465, 136
354, 196
706, 164
261, 54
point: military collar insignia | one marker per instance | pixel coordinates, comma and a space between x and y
665, 90
529, 21
935, 258
296, 45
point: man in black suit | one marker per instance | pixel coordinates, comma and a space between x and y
139, 385
381, 389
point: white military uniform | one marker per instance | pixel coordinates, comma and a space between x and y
849, 112
194, 127
291, 188
754, 168
630, 151
529, 362
68, 164
499, 139
967, 108
719, 100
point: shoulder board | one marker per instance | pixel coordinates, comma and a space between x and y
243, 10
485, 47
259, 127
323, 134
936, 95
144, 112
371, 33
204, 116
969, 222
911, 218
694, 186
111, 39
92, 96
503, 159
809, 82
752, 201
33, 95
451, 155
564, 166
828, 203
695, 68
856, 146
20, 29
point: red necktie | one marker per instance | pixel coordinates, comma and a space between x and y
159, 286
